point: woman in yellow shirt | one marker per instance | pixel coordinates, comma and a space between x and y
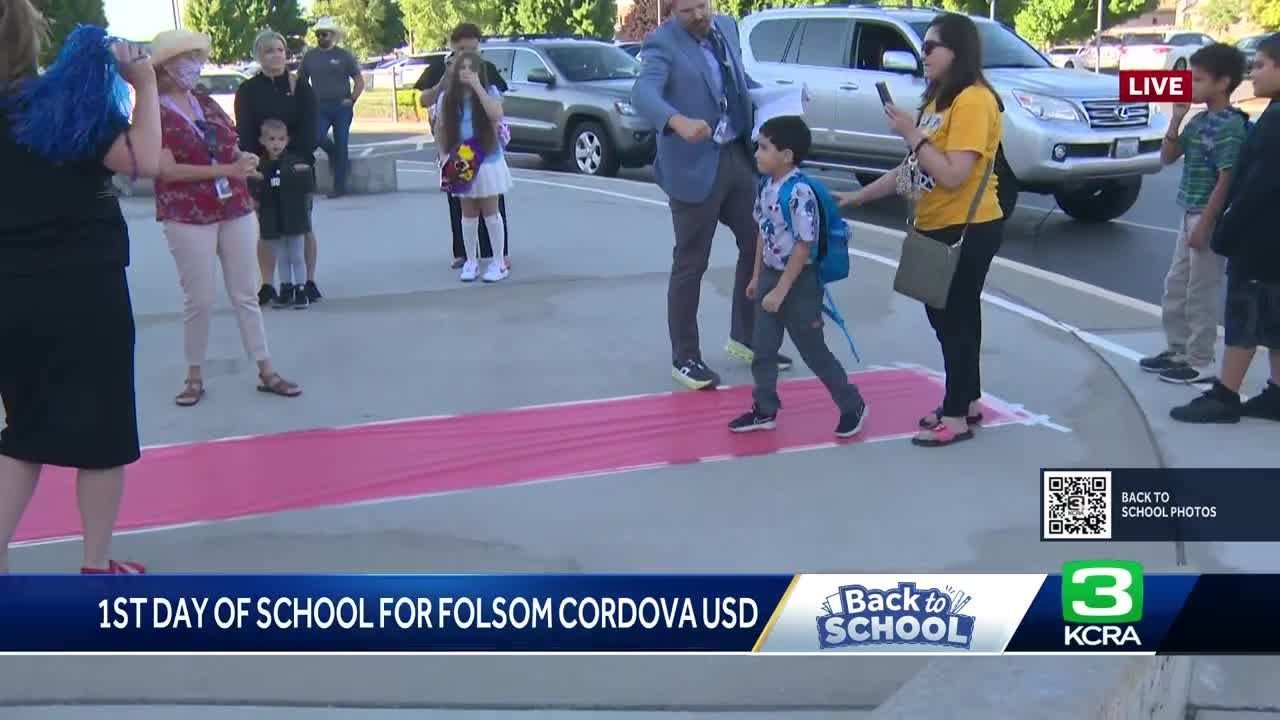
952, 143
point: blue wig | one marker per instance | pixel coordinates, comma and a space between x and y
78, 105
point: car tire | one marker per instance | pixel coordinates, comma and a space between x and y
590, 150
1070, 65
1101, 202
1007, 186
1181, 64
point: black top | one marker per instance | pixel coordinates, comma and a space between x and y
1246, 233
282, 197
57, 217
261, 97
436, 69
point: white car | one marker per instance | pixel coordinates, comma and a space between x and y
1161, 51
1106, 49
221, 84
1062, 54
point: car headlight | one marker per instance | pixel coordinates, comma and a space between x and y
624, 108
1045, 107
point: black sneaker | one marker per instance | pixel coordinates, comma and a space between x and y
1216, 405
300, 300
1264, 405
1184, 374
287, 292
753, 422
266, 295
1160, 363
851, 423
694, 375
313, 292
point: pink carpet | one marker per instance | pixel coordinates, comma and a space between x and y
208, 481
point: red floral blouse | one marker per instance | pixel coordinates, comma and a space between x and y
197, 203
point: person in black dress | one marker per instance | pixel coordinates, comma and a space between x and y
466, 37
67, 359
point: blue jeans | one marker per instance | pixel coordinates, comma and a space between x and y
338, 117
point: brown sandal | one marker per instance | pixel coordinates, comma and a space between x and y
277, 385
191, 393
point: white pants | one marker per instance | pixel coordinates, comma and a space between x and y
235, 244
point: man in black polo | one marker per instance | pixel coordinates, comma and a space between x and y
465, 37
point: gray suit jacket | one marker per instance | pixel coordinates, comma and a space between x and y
675, 78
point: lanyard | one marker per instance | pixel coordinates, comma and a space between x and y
204, 129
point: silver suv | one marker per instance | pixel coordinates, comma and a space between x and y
569, 100
1066, 133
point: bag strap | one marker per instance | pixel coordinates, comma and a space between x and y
977, 198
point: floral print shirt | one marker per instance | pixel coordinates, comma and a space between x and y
197, 203
779, 239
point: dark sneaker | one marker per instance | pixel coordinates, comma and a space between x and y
285, 298
300, 300
266, 295
1216, 405
1184, 374
313, 292
694, 375
753, 421
1264, 405
851, 423
1160, 363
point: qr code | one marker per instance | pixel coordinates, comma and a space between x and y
1077, 505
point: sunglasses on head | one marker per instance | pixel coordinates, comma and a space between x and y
928, 46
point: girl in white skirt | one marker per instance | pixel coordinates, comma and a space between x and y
469, 113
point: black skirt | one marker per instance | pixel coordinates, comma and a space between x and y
67, 369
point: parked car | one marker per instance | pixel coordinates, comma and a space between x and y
1066, 133
1160, 51
631, 48
569, 101
1249, 46
1063, 54
222, 84
1099, 53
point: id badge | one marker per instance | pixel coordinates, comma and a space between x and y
275, 182
223, 186
721, 134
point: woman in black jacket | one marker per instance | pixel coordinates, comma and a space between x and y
276, 93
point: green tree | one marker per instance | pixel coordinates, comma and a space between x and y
1266, 13
373, 26
591, 18
1218, 15
1049, 21
232, 24
429, 22
63, 17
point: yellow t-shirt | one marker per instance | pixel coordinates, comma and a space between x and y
971, 123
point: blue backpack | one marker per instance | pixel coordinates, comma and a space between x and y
832, 260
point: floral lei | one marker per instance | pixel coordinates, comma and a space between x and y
458, 170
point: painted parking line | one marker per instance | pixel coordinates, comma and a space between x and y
182, 486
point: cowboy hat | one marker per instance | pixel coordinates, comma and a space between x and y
328, 24
172, 43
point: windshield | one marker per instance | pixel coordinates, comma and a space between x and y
1001, 47
589, 62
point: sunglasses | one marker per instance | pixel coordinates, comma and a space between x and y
928, 46
323, 34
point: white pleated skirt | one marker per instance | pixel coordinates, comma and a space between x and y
494, 178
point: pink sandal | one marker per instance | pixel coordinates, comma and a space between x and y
116, 568
940, 435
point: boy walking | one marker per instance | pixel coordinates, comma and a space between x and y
1210, 145
283, 216
786, 286
1246, 236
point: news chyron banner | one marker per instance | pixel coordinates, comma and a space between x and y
1094, 606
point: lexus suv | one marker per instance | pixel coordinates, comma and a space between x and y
1066, 133
569, 100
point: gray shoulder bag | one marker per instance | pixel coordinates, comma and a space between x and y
928, 266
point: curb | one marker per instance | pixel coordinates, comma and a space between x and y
1046, 688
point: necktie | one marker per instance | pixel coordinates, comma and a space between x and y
733, 99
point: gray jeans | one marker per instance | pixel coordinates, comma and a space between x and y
801, 317
1192, 304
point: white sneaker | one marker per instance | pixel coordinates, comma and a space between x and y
470, 269
496, 272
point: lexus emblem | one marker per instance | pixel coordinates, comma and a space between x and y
1122, 112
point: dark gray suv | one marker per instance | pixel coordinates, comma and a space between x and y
568, 100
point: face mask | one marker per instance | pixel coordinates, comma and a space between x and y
185, 72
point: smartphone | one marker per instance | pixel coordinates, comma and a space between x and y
883, 89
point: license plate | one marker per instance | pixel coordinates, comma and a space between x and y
1125, 148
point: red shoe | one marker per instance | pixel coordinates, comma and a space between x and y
116, 568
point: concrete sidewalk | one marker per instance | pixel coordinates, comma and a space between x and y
583, 317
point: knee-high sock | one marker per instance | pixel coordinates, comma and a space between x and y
497, 235
471, 237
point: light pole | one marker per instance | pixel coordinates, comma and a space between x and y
1097, 66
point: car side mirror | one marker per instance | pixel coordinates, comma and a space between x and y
541, 76
900, 62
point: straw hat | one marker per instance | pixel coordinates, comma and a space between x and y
172, 43
328, 24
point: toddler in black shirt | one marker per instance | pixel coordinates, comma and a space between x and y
284, 215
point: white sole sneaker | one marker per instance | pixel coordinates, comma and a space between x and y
469, 272
495, 274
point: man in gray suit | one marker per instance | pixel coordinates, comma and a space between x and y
693, 88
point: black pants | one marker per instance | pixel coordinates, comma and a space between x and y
959, 327
486, 248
